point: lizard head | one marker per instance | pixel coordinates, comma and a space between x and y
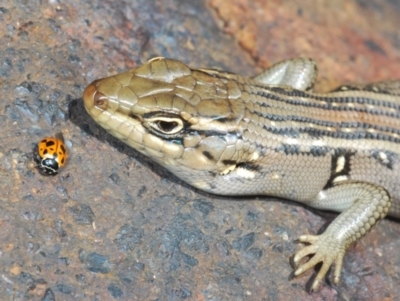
186, 120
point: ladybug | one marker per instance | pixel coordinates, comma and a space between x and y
51, 155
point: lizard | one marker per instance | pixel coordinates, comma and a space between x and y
268, 135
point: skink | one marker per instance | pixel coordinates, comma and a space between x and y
269, 135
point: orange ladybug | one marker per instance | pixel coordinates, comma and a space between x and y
51, 155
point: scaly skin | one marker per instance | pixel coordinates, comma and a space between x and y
270, 135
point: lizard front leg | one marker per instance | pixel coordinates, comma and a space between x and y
298, 73
363, 205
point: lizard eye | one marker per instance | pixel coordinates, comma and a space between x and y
166, 125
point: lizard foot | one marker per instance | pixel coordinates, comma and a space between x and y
326, 249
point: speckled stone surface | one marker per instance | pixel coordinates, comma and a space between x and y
113, 225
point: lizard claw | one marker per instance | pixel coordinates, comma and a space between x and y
326, 249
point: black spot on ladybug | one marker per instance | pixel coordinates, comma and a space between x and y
62, 161
62, 148
50, 143
45, 152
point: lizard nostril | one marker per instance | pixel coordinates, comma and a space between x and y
100, 100
93, 98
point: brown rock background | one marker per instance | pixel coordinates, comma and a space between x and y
112, 225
